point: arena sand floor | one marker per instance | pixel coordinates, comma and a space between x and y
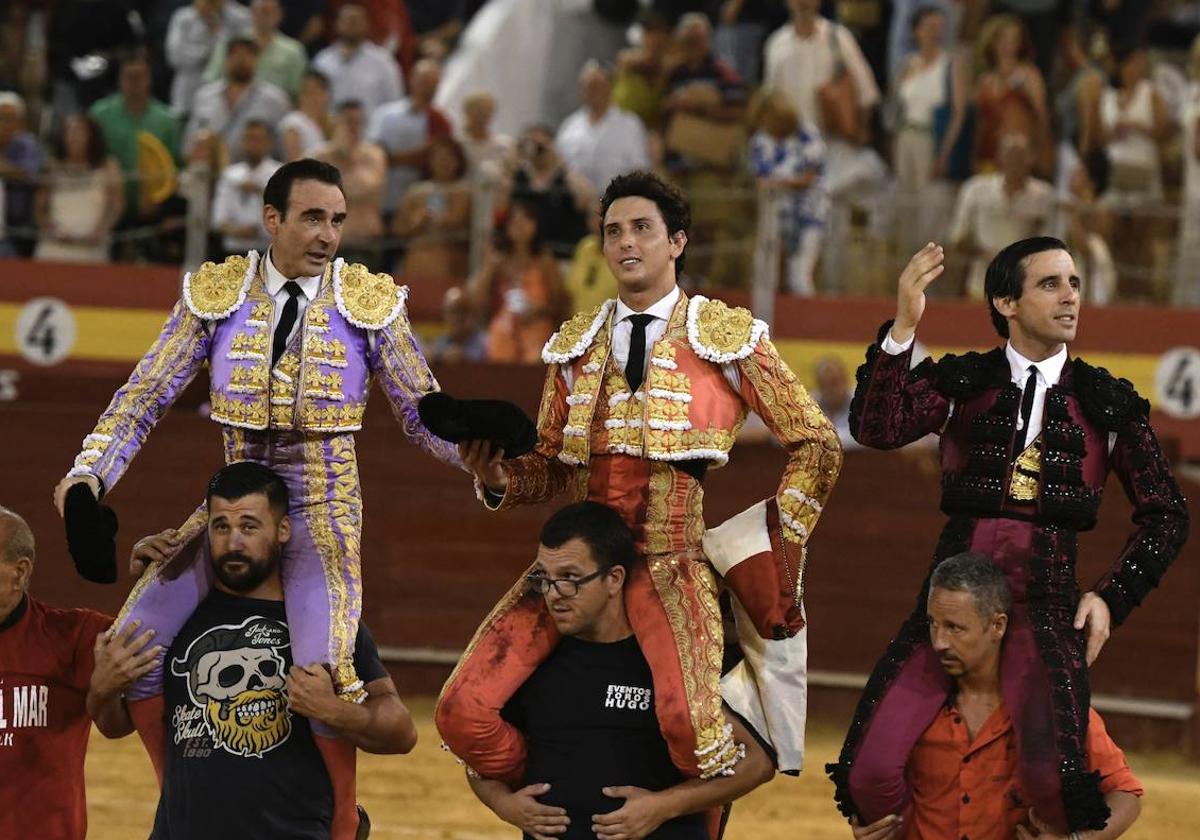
423, 795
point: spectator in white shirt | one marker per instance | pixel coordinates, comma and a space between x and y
488, 153
223, 108
237, 213
405, 129
356, 68
803, 56
998, 208
192, 35
601, 141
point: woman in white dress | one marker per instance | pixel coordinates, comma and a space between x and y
81, 197
930, 81
310, 125
1187, 280
1134, 123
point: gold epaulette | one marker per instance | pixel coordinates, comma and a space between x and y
216, 290
367, 300
720, 333
575, 335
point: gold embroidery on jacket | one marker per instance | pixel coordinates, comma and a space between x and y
1026, 473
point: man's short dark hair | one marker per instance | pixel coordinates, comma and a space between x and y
349, 105
645, 184
975, 574
600, 527
242, 40
317, 76
279, 188
247, 478
1006, 273
921, 13
255, 122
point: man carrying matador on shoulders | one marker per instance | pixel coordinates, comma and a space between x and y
643, 395
292, 340
1029, 434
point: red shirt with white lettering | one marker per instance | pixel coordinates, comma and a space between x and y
46, 659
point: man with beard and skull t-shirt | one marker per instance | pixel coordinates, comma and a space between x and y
597, 762
241, 758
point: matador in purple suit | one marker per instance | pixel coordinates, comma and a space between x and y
292, 340
1028, 437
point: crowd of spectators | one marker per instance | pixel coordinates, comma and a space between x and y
964, 121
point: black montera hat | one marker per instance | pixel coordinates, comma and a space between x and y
499, 421
91, 535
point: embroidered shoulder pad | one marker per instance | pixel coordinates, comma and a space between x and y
368, 300
576, 335
722, 334
215, 291
1108, 401
963, 377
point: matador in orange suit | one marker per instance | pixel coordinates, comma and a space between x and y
643, 394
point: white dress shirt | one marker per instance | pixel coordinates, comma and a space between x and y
622, 334
369, 74
602, 150
797, 67
235, 206
275, 282
1048, 373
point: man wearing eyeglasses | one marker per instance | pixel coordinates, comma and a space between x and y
597, 764
643, 395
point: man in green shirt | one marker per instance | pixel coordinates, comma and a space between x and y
126, 114
281, 60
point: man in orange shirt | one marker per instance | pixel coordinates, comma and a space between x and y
963, 770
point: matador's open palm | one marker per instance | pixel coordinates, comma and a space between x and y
925, 267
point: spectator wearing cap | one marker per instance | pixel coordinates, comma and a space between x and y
237, 213
281, 60
601, 141
20, 160
223, 108
356, 68
406, 128
192, 35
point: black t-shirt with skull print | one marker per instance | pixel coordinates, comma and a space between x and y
239, 763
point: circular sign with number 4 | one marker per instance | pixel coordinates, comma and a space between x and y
1177, 382
45, 331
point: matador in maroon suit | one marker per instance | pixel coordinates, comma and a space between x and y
1028, 437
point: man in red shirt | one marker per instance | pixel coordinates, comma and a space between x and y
963, 770
46, 657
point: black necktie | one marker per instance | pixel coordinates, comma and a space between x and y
1026, 409
635, 366
287, 320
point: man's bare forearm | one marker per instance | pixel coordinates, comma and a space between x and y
110, 714
381, 724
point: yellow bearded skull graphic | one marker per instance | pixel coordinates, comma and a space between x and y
236, 675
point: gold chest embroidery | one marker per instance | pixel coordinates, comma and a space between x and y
1026, 474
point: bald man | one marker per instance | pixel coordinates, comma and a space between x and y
46, 662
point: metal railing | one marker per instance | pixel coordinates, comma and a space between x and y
740, 239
